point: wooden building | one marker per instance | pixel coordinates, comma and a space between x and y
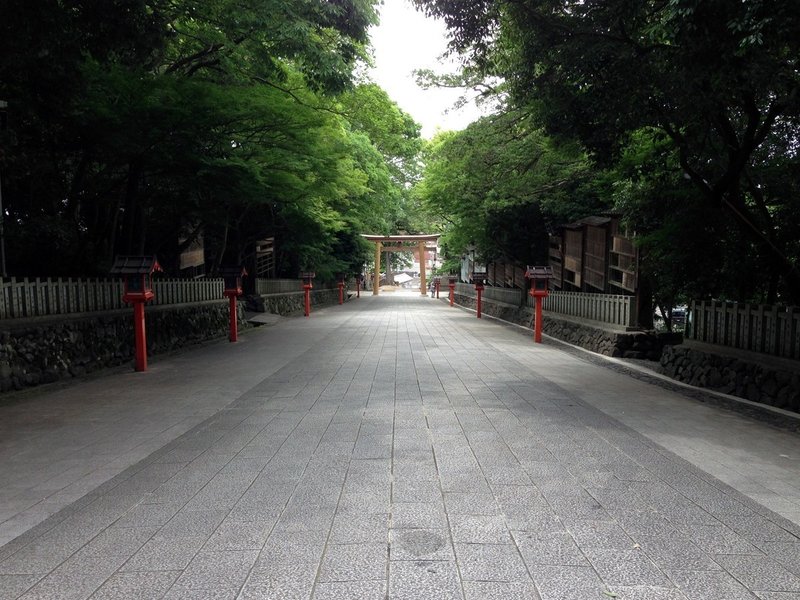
594, 255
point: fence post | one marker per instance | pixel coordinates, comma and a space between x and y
774, 332
3, 299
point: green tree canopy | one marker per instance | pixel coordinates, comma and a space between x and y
143, 125
720, 79
502, 185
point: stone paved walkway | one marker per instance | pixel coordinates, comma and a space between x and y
390, 448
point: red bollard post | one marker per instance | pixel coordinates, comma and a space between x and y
438, 283
537, 327
452, 285
307, 276
232, 280
137, 273
139, 336
539, 276
479, 278
234, 329
341, 292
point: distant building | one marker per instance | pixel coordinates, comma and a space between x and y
594, 255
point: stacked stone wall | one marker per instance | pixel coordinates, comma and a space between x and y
622, 344
292, 303
49, 349
757, 382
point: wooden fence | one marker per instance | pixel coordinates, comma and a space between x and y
507, 295
287, 286
773, 330
612, 309
609, 309
23, 298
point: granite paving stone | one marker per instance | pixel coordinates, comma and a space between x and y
350, 590
499, 590
354, 562
416, 515
490, 562
160, 554
760, 573
479, 529
625, 567
646, 592
568, 583
549, 548
136, 586
421, 544
710, 585
676, 553
432, 580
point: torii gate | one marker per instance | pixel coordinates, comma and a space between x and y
380, 240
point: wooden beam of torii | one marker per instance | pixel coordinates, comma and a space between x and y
380, 240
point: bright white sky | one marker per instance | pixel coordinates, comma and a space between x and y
406, 40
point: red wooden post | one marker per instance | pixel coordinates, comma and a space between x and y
539, 276
479, 278
341, 292
232, 278
137, 273
234, 330
537, 328
452, 285
438, 283
307, 276
139, 336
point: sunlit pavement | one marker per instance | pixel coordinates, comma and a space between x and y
391, 447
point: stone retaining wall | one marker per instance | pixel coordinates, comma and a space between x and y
293, 302
736, 376
623, 344
48, 349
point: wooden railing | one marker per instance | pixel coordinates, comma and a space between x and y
609, 309
287, 286
507, 295
22, 298
773, 330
